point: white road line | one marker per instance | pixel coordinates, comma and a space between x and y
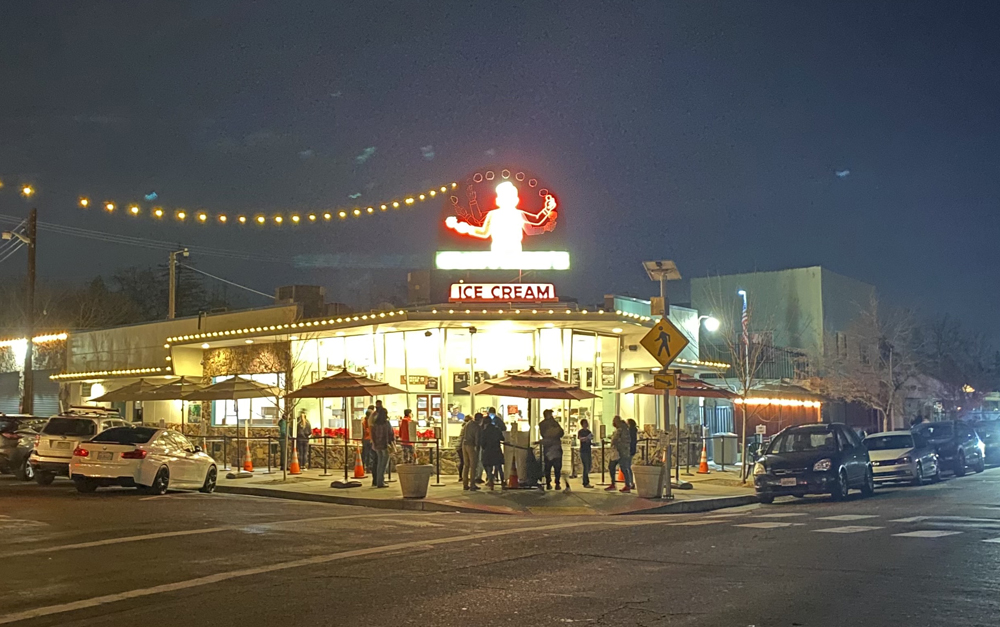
695, 523
911, 519
263, 570
847, 529
187, 532
926, 533
781, 515
848, 517
993, 541
768, 525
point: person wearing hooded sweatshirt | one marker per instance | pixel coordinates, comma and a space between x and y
551, 433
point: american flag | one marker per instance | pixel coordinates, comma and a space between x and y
746, 322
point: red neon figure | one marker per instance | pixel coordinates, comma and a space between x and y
505, 224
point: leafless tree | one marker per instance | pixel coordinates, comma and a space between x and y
964, 362
870, 363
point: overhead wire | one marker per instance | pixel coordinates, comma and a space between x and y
226, 281
11, 251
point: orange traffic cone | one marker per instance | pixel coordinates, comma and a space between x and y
513, 482
247, 462
359, 468
293, 468
621, 475
703, 465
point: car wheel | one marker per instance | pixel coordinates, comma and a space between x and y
24, 472
960, 465
44, 478
160, 482
842, 488
766, 499
981, 464
209, 486
918, 478
84, 486
868, 487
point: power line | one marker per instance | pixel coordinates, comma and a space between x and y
13, 250
228, 282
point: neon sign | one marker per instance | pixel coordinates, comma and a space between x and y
505, 225
503, 293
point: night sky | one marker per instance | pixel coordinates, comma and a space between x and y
728, 136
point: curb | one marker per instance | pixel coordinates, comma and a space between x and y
688, 506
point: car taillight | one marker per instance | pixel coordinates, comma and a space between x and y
10, 436
81, 452
136, 454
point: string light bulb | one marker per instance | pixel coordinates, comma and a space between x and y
27, 191
395, 204
342, 214
223, 218
278, 219
110, 206
260, 219
182, 215
134, 210
84, 202
327, 215
312, 217
242, 219
158, 212
203, 217
295, 219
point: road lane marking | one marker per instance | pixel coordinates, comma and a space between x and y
281, 566
695, 523
993, 541
926, 533
186, 532
911, 519
768, 525
847, 529
848, 517
781, 515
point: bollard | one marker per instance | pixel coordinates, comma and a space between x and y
604, 464
346, 451
437, 461
225, 453
270, 455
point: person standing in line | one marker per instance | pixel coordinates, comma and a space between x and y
497, 419
633, 434
382, 439
551, 434
302, 435
586, 439
492, 453
620, 446
461, 438
470, 451
404, 436
283, 441
367, 454
481, 420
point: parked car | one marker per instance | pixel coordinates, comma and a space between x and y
60, 435
957, 445
989, 433
142, 457
814, 459
902, 456
17, 437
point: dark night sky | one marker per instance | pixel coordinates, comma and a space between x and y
710, 133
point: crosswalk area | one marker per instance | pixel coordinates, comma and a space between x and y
986, 530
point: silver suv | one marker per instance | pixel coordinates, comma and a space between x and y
59, 437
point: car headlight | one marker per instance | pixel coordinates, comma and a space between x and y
904, 460
822, 465
758, 469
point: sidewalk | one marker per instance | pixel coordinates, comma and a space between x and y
709, 492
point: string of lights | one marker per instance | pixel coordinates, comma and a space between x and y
259, 219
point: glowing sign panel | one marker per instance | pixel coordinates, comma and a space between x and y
502, 292
505, 226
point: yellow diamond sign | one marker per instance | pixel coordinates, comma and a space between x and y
664, 342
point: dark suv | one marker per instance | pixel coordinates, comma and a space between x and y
813, 459
957, 444
17, 437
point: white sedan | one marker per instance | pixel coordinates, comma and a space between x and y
902, 456
142, 457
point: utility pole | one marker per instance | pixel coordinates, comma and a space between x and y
28, 238
172, 291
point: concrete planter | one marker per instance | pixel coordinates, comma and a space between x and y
648, 481
414, 479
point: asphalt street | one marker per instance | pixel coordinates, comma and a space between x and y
907, 556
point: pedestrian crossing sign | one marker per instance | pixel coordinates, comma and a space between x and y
664, 342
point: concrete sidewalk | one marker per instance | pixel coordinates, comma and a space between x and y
709, 492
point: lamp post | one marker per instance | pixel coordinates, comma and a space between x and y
745, 376
28, 238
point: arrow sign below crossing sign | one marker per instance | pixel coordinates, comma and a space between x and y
664, 342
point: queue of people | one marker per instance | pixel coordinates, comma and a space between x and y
480, 446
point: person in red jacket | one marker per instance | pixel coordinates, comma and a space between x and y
404, 437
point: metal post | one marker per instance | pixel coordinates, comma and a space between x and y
270, 455
604, 462
325, 451
346, 450
437, 460
225, 452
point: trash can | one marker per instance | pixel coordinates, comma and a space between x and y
648, 481
724, 451
414, 479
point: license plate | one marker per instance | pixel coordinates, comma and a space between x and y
61, 444
788, 482
105, 457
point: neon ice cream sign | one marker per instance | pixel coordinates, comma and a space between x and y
505, 226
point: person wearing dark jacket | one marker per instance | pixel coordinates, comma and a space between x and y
551, 433
492, 453
586, 438
470, 451
633, 432
382, 439
302, 434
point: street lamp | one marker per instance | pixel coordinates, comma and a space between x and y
711, 323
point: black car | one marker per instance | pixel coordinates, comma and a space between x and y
989, 433
17, 438
814, 459
957, 445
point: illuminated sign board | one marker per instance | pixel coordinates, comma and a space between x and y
503, 292
505, 225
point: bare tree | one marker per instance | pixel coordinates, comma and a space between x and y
963, 361
870, 363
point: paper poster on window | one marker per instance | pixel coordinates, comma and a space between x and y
608, 378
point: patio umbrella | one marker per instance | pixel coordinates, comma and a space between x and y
531, 384
176, 391
141, 390
233, 389
686, 386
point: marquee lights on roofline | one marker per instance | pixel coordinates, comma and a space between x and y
374, 317
38, 339
293, 218
130, 372
779, 402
